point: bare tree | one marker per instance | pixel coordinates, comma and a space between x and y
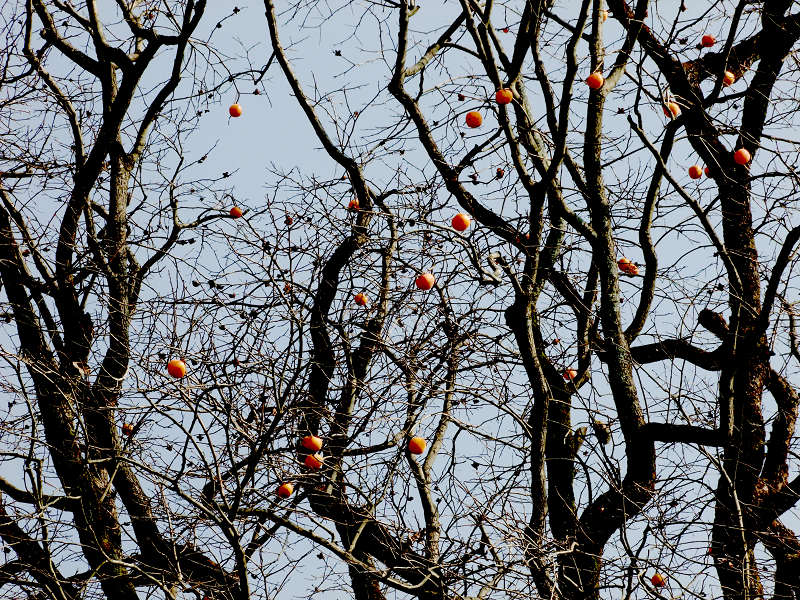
601, 368
88, 215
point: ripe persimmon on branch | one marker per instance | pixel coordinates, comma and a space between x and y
515, 317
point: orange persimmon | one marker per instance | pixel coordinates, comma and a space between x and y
728, 78
595, 81
741, 156
461, 222
176, 368
425, 281
630, 269
416, 445
474, 119
311, 442
671, 109
504, 96
313, 461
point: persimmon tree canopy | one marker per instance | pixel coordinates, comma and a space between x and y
520, 324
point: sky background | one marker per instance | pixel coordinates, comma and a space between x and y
273, 135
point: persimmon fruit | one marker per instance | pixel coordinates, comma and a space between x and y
311, 442
313, 461
176, 368
236, 212
658, 580
416, 445
360, 299
707, 41
474, 119
235, 110
627, 267
425, 281
285, 490
595, 81
695, 172
630, 269
461, 222
570, 374
504, 96
728, 78
672, 110
741, 156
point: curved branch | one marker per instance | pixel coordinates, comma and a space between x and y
775, 278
